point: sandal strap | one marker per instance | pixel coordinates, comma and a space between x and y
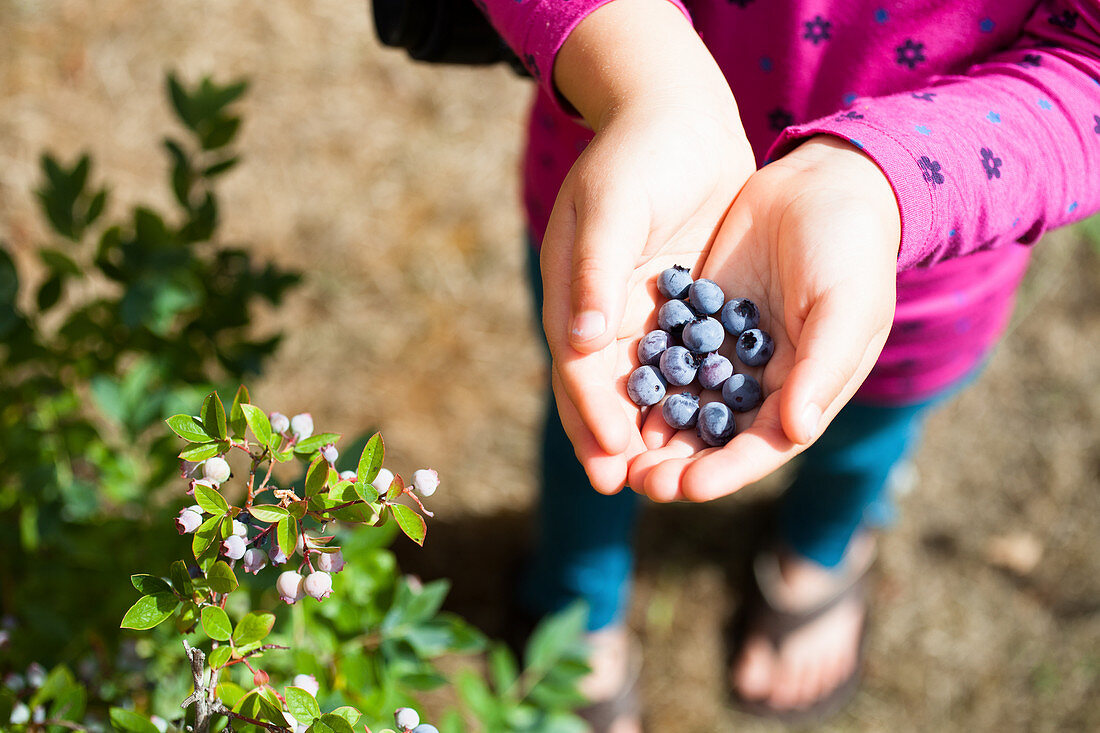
780, 620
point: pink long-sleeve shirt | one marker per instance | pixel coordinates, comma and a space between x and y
984, 116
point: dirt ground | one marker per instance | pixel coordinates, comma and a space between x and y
393, 186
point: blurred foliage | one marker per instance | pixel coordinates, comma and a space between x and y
1089, 230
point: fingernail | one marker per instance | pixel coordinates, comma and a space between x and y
588, 325
811, 419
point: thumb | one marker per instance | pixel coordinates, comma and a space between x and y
611, 229
839, 343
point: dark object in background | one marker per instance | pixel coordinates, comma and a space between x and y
442, 31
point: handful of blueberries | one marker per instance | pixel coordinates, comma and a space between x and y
684, 350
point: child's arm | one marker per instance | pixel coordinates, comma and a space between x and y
649, 191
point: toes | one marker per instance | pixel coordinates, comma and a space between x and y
752, 676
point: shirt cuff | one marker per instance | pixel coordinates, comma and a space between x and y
908, 176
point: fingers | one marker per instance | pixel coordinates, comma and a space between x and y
839, 342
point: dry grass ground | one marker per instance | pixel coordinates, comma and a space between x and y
393, 186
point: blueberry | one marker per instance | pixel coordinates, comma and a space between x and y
705, 296
742, 393
740, 314
680, 410
674, 282
755, 347
646, 386
674, 315
714, 371
715, 424
425, 728
678, 365
651, 346
703, 335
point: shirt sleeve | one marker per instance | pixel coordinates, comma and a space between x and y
536, 29
999, 154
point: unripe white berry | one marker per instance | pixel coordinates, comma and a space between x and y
425, 728
277, 556
20, 714
240, 528
290, 586
329, 453
347, 476
330, 562
216, 469
280, 423
318, 584
188, 521
307, 682
406, 718
425, 481
254, 560
302, 425
383, 480
233, 547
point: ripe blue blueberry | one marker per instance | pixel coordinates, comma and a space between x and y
755, 347
678, 365
703, 335
681, 410
714, 371
651, 346
705, 296
715, 424
646, 386
739, 315
674, 282
742, 393
674, 315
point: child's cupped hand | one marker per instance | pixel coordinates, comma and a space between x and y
813, 240
648, 192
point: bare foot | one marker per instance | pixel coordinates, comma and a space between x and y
611, 670
815, 659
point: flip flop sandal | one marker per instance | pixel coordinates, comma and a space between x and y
766, 614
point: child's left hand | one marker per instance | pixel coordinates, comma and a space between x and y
813, 240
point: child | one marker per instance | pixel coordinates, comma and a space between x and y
916, 152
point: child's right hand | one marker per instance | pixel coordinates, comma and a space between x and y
649, 191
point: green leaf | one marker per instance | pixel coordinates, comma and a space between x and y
237, 423
268, 513
302, 705
314, 442
397, 487
258, 423
196, 452
131, 722
316, 477
215, 622
556, 636
187, 618
181, 579
230, 693
221, 578
348, 713
147, 585
205, 535
330, 724
149, 611
218, 657
503, 670
216, 169
411, 523
366, 492
286, 533
59, 262
210, 500
370, 461
254, 627
188, 428
213, 416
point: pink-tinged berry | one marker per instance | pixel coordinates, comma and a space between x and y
425, 481
290, 586
240, 528
254, 559
36, 675
307, 682
188, 521
330, 562
302, 425
406, 718
329, 453
347, 476
280, 423
383, 480
276, 555
233, 547
318, 585
216, 469
260, 678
